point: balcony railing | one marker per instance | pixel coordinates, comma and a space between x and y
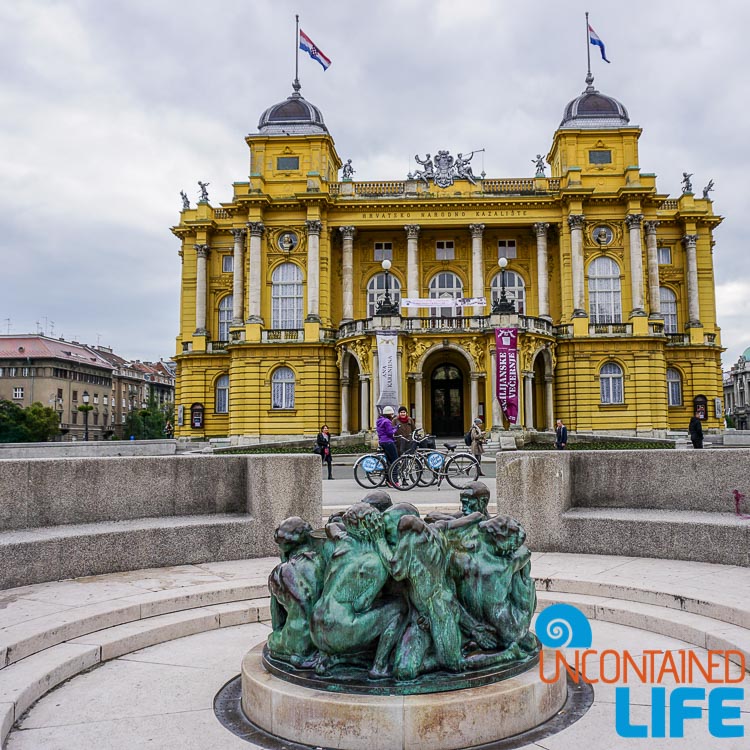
678, 339
216, 346
281, 335
610, 329
446, 323
709, 339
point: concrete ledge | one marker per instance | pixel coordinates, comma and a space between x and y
663, 504
89, 449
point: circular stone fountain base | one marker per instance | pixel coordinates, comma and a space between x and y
435, 721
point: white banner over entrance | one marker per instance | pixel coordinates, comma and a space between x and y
444, 302
388, 369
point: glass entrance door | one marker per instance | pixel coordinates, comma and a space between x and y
447, 401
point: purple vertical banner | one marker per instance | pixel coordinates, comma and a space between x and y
506, 371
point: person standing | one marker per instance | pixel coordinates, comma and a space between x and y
386, 431
696, 431
404, 429
323, 441
561, 436
477, 442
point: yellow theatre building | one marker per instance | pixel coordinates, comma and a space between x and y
609, 283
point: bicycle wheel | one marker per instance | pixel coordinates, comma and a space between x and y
461, 469
429, 472
370, 471
406, 471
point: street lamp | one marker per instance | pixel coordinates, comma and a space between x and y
85, 408
386, 306
503, 306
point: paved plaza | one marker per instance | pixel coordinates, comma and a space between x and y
146, 651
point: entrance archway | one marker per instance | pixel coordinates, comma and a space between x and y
447, 400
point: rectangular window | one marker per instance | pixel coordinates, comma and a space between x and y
674, 392
24, 372
75, 395
59, 393
122, 419
96, 419
96, 398
444, 250
18, 392
600, 157
383, 251
1, 372
227, 263
664, 255
506, 249
74, 417
11, 372
286, 163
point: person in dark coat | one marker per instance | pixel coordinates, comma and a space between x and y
561, 436
386, 430
404, 429
696, 431
323, 441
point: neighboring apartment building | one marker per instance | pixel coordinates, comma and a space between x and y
61, 375
610, 283
737, 392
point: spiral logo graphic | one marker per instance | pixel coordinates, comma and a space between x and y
563, 626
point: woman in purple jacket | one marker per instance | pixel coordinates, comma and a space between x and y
386, 431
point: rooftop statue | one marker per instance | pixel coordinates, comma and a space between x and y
384, 595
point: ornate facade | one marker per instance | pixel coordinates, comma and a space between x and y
611, 283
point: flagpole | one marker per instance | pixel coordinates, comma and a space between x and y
296, 84
589, 78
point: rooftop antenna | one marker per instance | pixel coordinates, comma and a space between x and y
38, 328
7, 324
52, 328
98, 339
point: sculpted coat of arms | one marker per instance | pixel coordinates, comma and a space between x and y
444, 169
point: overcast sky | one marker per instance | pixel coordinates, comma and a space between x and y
108, 108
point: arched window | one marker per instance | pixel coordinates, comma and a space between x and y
282, 388
286, 296
668, 304
610, 383
376, 290
446, 285
225, 317
674, 387
605, 305
222, 395
515, 290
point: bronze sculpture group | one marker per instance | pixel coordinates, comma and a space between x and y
393, 595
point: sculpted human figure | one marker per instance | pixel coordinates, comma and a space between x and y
203, 190
295, 585
491, 568
687, 183
185, 200
432, 639
475, 498
347, 170
351, 620
463, 169
429, 170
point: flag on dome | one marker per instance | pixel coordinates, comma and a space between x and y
307, 45
597, 42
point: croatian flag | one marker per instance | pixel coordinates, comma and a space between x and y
594, 39
307, 45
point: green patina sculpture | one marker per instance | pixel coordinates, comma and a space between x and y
396, 596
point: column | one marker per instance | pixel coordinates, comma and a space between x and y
575, 222
694, 317
418, 407
412, 265
347, 265
345, 405
540, 228
200, 291
528, 400
497, 416
549, 406
477, 265
237, 276
364, 402
253, 272
313, 271
652, 257
636, 263
474, 394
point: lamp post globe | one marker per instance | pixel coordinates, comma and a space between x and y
503, 305
387, 306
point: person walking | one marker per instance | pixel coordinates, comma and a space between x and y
323, 441
696, 431
477, 442
405, 426
561, 436
386, 431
